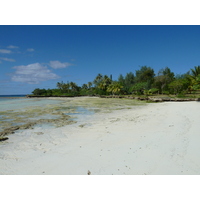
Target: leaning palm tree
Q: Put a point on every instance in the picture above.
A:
(195, 72)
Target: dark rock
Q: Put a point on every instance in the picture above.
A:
(3, 139)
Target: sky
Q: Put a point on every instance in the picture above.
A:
(40, 56)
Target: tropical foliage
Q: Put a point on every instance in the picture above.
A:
(143, 82)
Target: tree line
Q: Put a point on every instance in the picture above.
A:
(143, 82)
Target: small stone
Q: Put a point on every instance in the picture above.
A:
(89, 172)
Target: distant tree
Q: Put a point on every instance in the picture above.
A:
(85, 86)
(89, 85)
(98, 79)
(73, 86)
(66, 88)
(167, 72)
(49, 92)
(115, 87)
(165, 76)
(39, 92)
(121, 79)
(193, 77)
(59, 85)
(127, 82)
(139, 88)
(195, 72)
(105, 82)
(145, 74)
(178, 85)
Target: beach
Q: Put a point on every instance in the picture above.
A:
(145, 139)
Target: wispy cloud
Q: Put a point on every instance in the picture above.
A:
(7, 59)
(5, 51)
(30, 49)
(32, 74)
(57, 64)
(12, 47)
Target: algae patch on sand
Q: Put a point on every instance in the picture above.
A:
(59, 114)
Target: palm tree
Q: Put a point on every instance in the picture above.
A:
(115, 88)
(105, 82)
(194, 78)
(73, 86)
(98, 79)
(195, 72)
(85, 86)
(59, 85)
(65, 87)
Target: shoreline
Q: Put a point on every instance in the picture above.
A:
(161, 138)
(148, 98)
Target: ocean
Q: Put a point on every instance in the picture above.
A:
(15, 95)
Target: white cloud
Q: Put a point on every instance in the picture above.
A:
(5, 51)
(8, 59)
(57, 64)
(32, 74)
(12, 47)
(30, 50)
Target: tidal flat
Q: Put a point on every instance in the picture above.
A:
(23, 114)
(104, 137)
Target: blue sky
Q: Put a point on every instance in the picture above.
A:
(40, 56)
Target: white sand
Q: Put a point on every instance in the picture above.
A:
(161, 138)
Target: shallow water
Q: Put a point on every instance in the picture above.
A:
(55, 112)
(21, 103)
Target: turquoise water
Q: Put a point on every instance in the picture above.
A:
(19, 111)
(25, 111)
(21, 103)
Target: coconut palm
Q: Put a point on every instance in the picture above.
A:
(59, 85)
(195, 72)
(194, 78)
(105, 82)
(65, 87)
(115, 88)
(73, 86)
(98, 79)
(85, 86)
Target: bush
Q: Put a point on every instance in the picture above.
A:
(166, 92)
(181, 94)
(153, 90)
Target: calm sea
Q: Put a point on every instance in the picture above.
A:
(10, 96)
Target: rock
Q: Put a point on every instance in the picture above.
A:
(39, 133)
(89, 172)
(3, 139)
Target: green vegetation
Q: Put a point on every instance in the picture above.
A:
(143, 82)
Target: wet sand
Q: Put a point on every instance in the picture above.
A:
(158, 138)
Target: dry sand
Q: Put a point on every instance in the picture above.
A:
(156, 139)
